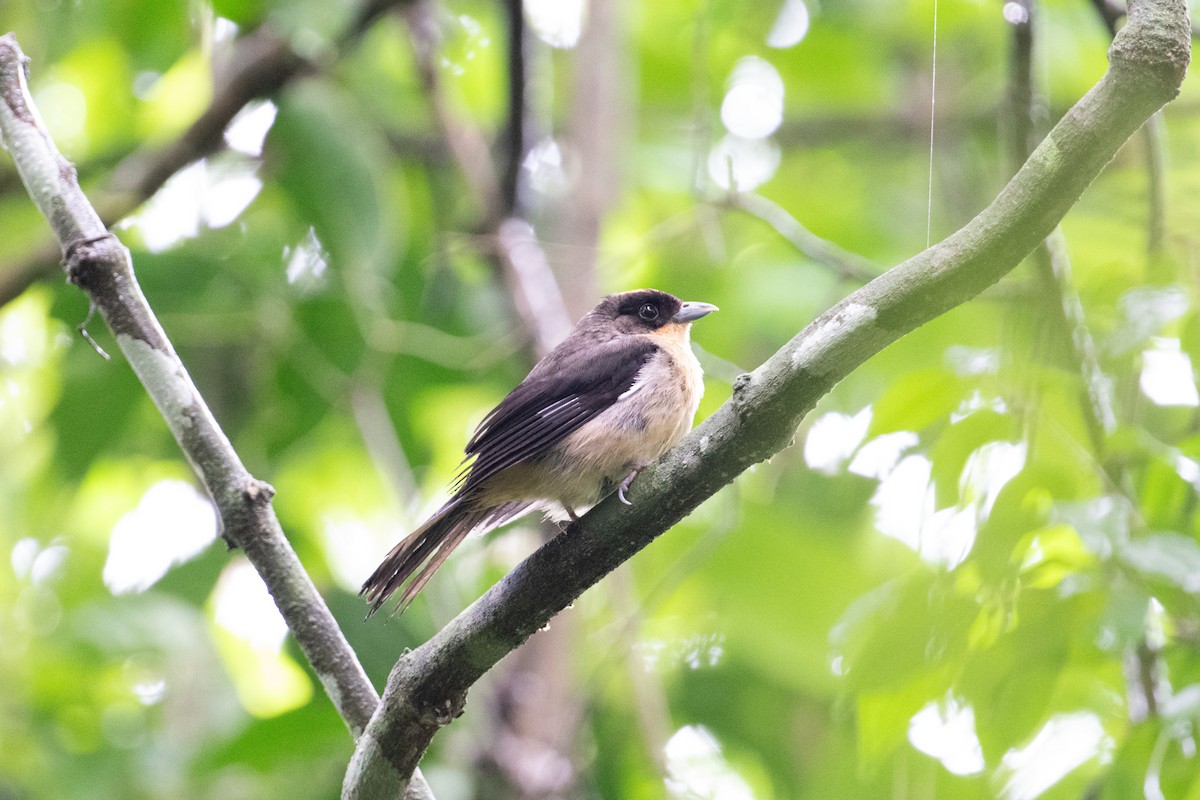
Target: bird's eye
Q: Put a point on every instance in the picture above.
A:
(648, 312)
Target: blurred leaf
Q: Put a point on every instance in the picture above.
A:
(1024, 504)
(177, 97)
(902, 630)
(325, 166)
(1050, 555)
(99, 71)
(915, 401)
(1010, 682)
(268, 684)
(883, 718)
(1165, 557)
(956, 444)
(243, 12)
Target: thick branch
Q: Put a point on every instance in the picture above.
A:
(427, 688)
(98, 263)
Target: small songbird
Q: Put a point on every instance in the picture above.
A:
(616, 394)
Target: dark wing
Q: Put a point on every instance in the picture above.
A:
(544, 410)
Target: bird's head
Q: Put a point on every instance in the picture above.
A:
(649, 310)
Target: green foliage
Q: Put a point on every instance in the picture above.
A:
(962, 592)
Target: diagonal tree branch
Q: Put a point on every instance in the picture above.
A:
(98, 263)
(427, 688)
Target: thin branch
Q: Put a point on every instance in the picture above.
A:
(1143, 663)
(382, 442)
(427, 688)
(1111, 13)
(465, 141)
(517, 133)
(848, 266)
(1050, 257)
(40, 263)
(262, 63)
(1022, 98)
(531, 741)
(1143, 669)
(518, 256)
(1154, 134)
(1054, 266)
(98, 264)
(596, 134)
(650, 697)
(531, 284)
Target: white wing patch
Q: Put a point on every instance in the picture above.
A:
(558, 405)
(638, 385)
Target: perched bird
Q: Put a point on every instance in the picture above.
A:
(616, 394)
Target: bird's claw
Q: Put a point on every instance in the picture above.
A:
(625, 485)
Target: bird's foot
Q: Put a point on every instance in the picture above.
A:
(625, 484)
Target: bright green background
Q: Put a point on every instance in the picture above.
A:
(777, 618)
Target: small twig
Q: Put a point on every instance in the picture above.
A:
(651, 707)
(1112, 12)
(40, 263)
(848, 266)
(1143, 668)
(596, 133)
(1050, 258)
(1021, 95)
(1154, 133)
(87, 337)
(1054, 265)
(262, 63)
(382, 443)
(438, 347)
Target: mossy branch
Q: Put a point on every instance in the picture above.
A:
(427, 687)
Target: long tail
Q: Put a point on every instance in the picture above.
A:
(411, 563)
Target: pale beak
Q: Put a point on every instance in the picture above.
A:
(690, 312)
